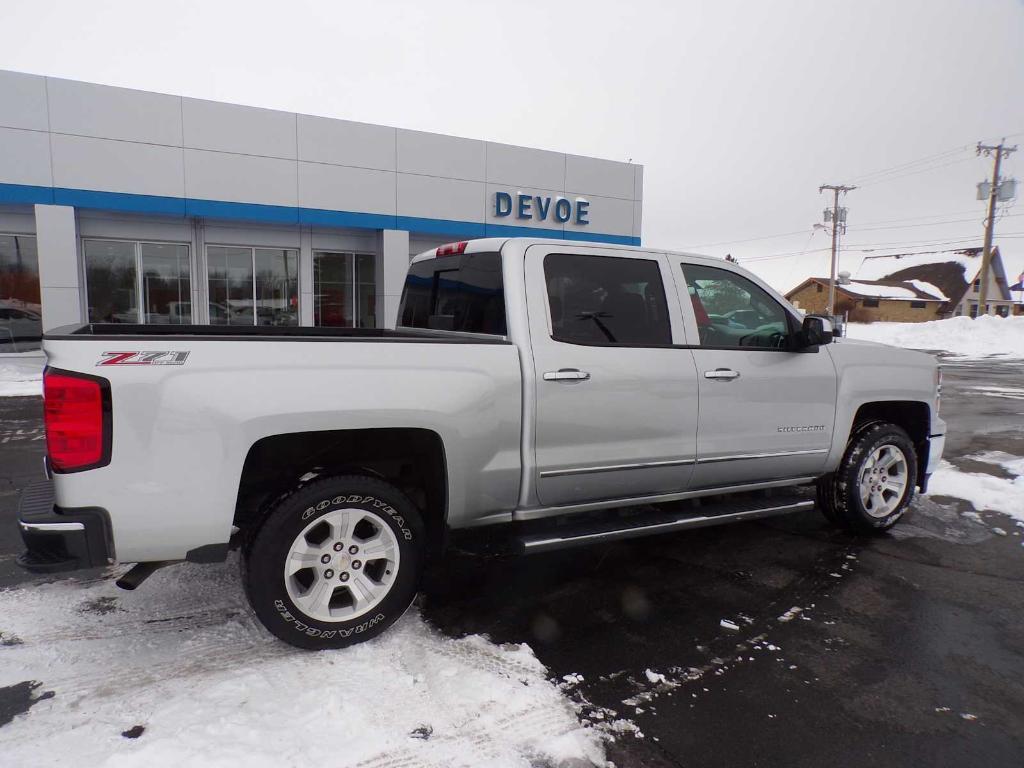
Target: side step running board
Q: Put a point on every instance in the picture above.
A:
(593, 534)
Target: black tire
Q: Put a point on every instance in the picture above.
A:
(263, 561)
(839, 497)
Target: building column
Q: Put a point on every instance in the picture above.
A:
(306, 296)
(60, 286)
(392, 265)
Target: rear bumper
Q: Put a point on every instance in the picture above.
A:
(59, 539)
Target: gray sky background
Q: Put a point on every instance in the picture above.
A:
(737, 110)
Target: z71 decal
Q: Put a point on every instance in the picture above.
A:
(143, 358)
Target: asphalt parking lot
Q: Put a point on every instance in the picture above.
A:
(898, 650)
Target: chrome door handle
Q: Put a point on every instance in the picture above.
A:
(722, 374)
(566, 374)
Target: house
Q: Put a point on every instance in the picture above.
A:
(864, 301)
(913, 287)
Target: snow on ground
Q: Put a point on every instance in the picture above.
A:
(183, 658)
(964, 337)
(984, 491)
(21, 375)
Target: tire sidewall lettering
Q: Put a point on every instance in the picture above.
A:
(377, 505)
(326, 634)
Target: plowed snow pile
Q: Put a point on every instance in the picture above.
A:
(182, 658)
(986, 336)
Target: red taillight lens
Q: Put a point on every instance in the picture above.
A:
(75, 411)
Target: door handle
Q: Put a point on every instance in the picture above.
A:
(722, 374)
(566, 374)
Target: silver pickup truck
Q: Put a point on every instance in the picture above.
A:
(540, 393)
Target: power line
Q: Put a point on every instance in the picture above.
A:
(896, 177)
(910, 163)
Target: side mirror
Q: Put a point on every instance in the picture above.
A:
(816, 330)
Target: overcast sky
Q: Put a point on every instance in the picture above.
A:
(737, 110)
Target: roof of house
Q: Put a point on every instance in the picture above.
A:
(948, 274)
(880, 289)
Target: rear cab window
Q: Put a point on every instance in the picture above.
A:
(462, 292)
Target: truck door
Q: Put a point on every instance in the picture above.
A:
(766, 413)
(616, 402)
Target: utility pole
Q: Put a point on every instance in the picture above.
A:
(999, 152)
(837, 216)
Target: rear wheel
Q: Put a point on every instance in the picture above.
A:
(335, 563)
(874, 483)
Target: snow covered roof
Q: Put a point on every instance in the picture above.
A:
(880, 267)
(890, 289)
(945, 274)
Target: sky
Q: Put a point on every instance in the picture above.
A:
(738, 111)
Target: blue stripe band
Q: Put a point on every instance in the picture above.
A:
(24, 194)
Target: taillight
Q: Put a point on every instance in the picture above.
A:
(76, 410)
(452, 249)
(938, 388)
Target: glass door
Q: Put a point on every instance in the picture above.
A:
(345, 290)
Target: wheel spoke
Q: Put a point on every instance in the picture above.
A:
(886, 459)
(376, 547)
(317, 600)
(300, 558)
(363, 589)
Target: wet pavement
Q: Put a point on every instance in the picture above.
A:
(778, 642)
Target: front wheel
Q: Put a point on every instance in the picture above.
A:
(334, 563)
(874, 483)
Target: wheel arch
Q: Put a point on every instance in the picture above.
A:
(412, 459)
(913, 416)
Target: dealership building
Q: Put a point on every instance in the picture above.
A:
(128, 206)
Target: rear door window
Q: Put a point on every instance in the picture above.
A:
(462, 292)
(606, 300)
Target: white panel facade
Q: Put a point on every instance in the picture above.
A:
(614, 214)
(209, 163)
(116, 166)
(434, 198)
(510, 165)
(341, 188)
(23, 101)
(25, 157)
(233, 128)
(433, 154)
(242, 178)
(342, 142)
(591, 176)
(102, 111)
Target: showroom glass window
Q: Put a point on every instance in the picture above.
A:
(253, 286)
(732, 311)
(345, 290)
(605, 300)
(137, 282)
(21, 326)
(461, 292)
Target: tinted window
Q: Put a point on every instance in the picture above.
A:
(462, 292)
(599, 300)
(733, 312)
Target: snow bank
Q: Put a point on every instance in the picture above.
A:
(21, 375)
(963, 337)
(183, 658)
(985, 492)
